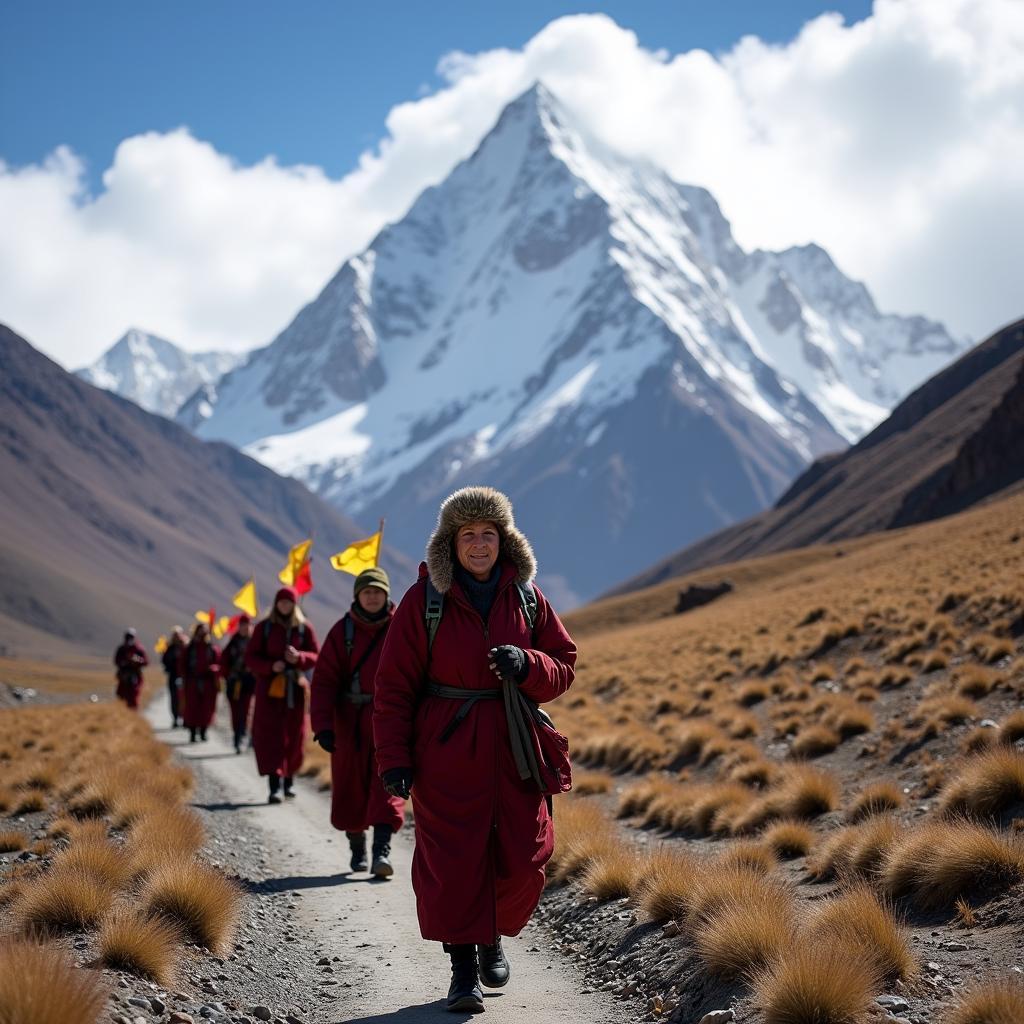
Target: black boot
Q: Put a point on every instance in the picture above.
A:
(191, 735)
(357, 844)
(239, 736)
(288, 791)
(465, 994)
(202, 734)
(275, 784)
(382, 852)
(494, 965)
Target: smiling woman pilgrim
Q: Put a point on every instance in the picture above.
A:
(483, 831)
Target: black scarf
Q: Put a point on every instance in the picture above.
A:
(480, 595)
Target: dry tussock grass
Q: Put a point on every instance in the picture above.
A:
(815, 983)
(994, 1001)
(1012, 728)
(939, 862)
(876, 799)
(583, 834)
(202, 902)
(815, 740)
(147, 947)
(613, 873)
(591, 783)
(11, 840)
(802, 793)
(61, 901)
(666, 878)
(747, 935)
(41, 985)
(987, 785)
(788, 839)
(867, 927)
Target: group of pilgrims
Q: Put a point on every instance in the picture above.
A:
(435, 700)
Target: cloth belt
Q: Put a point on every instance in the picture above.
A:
(518, 715)
(357, 698)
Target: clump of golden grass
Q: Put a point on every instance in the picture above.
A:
(11, 840)
(591, 783)
(666, 878)
(146, 946)
(101, 860)
(716, 884)
(987, 784)
(876, 799)
(867, 927)
(1012, 728)
(788, 839)
(990, 648)
(60, 901)
(636, 799)
(747, 935)
(748, 855)
(815, 740)
(583, 834)
(41, 985)
(948, 710)
(976, 681)
(815, 983)
(28, 802)
(995, 1001)
(613, 873)
(202, 902)
(802, 793)
(939, 862)
(855, 851)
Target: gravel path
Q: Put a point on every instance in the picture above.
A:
(354, 953)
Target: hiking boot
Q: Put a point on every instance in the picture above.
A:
(191, 735)
(382, 867)
(494, 965)
(288, 791)
(202, 735)
(275, 785)
(357, 844)
(464, 993)
(274, 798)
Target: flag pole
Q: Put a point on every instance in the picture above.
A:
(380, 541)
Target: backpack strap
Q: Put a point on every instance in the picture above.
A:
(528, 599)
(432, 612)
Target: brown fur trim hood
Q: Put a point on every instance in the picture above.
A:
(476, 505)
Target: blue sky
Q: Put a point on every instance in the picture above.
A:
(309, 81)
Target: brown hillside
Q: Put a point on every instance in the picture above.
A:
(952, 443)
(110, 515)
(834, 750)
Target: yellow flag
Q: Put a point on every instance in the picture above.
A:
(161, 644)
(203, 616)
(246, 600)
(221, 627)
(297, 558)
(359, 556)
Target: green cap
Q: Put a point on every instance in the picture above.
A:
(375, 577)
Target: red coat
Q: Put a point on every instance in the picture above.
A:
(483, 835)
(129, 659)
(279, 723)
(358, 799)
(199, 668)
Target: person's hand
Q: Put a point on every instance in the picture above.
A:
(278, 666)
(291, 655)
(397, 782)
(509, 662)
(326, 740)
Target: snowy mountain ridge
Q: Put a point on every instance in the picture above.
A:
(554, 317)
(154, 373)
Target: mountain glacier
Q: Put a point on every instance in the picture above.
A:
(584, 332)
(154, 373)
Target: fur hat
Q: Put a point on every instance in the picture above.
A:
(476, 505)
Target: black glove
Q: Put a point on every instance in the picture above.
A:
(510, 662)
(326, 740)
(397, 782)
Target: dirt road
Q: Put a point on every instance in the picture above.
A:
(385, 971)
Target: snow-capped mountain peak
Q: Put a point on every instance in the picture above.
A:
(567, 322)
(154, 373)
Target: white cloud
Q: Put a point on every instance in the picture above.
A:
(897, 142)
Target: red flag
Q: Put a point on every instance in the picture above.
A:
(303, 580)
(233, 623)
